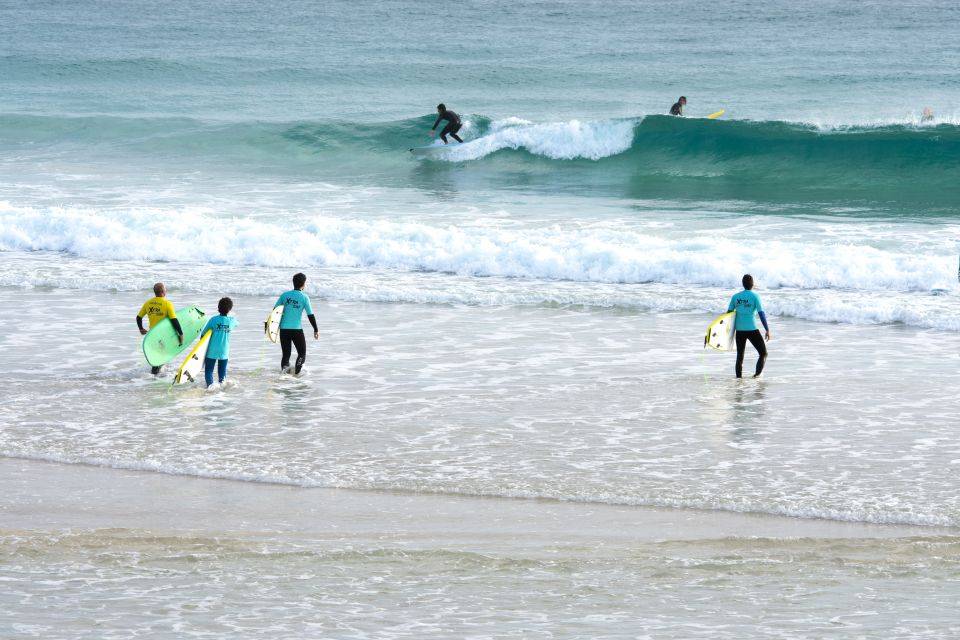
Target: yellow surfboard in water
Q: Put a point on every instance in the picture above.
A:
(716, 114)
(720, 333)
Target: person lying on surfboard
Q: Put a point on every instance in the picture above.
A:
(677, 108)
(218, 348)
(453, 124)
(156, 309)
(295, 302)
(747, 304)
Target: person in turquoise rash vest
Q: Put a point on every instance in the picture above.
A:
(747, 305)
(218, 348)
(295, 303)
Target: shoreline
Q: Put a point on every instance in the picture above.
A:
(104, 497)
(91, 552)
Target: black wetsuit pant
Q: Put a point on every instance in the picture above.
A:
(451, 130)
(756, 339)
(295, 337)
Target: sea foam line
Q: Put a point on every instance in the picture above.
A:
(609, 254)
(189, 281)
(707, 503)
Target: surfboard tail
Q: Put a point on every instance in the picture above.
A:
(192, 365)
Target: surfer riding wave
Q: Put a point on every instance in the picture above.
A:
(453, 124)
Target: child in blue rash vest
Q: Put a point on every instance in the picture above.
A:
(747, 304)
(295, 303)
(218, 349)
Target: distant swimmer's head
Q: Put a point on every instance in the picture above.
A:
(441, 107)
(683, 100)
(224, 306)
(159, 289)
(748, 282)
(299, 280)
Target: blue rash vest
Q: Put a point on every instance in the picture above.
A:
(295, 303)
(219, 346)
(747, 305)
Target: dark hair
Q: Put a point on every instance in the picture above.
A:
(224, 306)
(682, 98)
(299, 280)
(441, 107)
(748, 281)
(158, 289)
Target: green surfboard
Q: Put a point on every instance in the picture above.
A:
(160, 345)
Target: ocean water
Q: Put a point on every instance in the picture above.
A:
(520, 316)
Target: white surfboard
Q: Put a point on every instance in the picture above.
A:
(272, 328)
(192, 368)
(721, 333)
(432, 149)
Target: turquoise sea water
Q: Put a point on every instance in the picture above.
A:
(248, 121)
(823, 100)
(821, 61)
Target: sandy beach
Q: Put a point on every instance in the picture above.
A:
(115, 553)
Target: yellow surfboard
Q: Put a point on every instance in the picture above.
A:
(192, 368)
(716, 114)
(721, 333)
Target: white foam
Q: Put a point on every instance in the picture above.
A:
(485, 262)
(599, 253)
(557, 140)
(912, 119)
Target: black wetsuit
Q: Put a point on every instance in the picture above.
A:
(453, 125)
(295, 338)
(676, 109)
(756, 339)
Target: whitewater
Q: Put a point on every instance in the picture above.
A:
(856, 273)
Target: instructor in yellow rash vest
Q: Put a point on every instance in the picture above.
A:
(156, 309)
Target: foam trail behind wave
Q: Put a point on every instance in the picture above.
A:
(557, 141)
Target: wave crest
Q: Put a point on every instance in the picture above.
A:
(649, 157)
